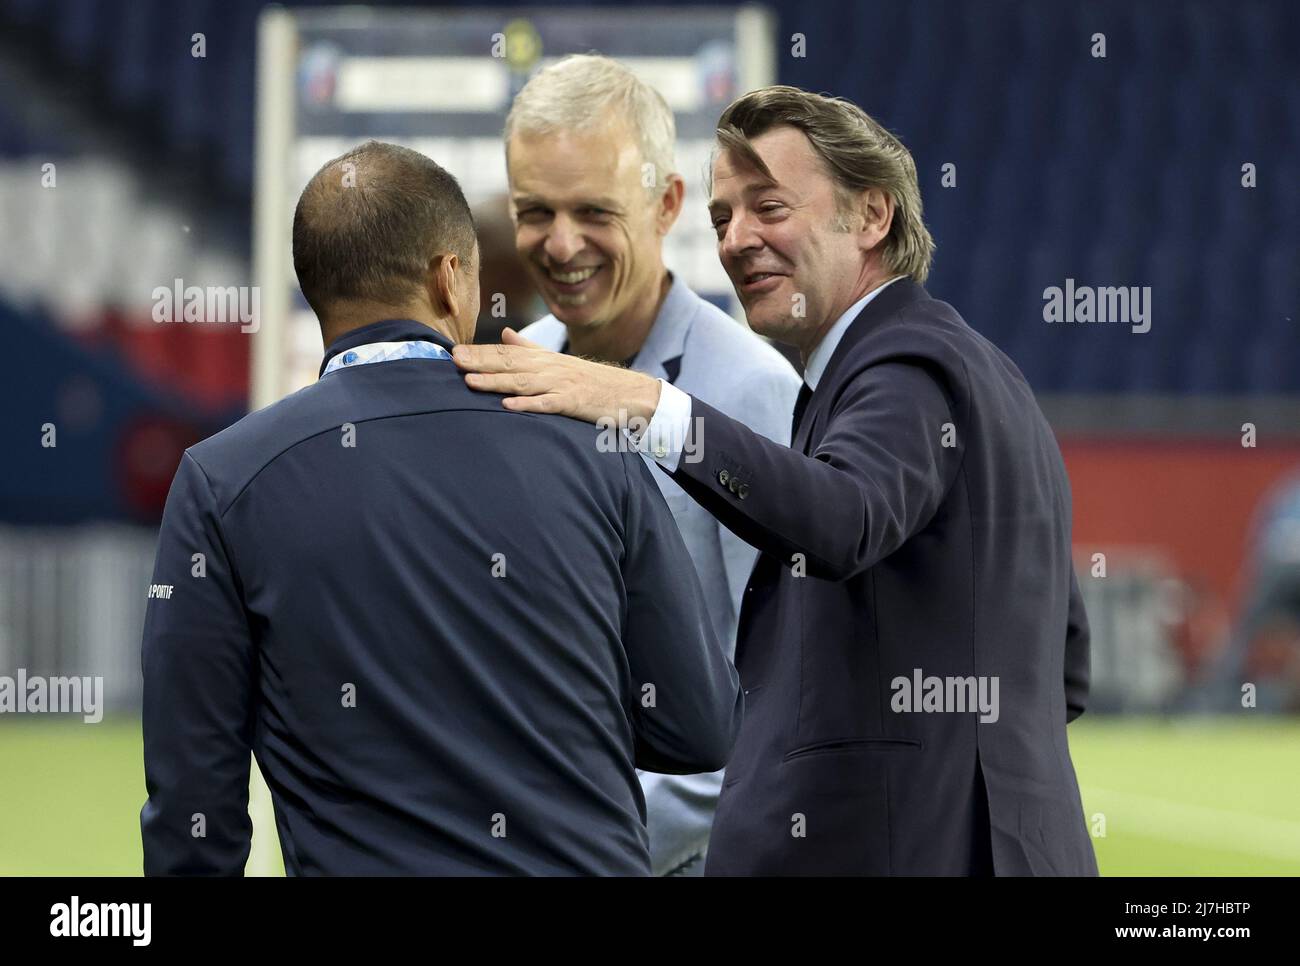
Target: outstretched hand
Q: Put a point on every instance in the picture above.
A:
(536, 380)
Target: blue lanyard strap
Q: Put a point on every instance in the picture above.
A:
(363, 355)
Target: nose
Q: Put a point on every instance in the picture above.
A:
(740, 236)
(563, 240)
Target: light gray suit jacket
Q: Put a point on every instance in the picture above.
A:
(703, 351)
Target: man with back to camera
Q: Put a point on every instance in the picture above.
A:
(917, 529)
(429, 687)
(593, 192)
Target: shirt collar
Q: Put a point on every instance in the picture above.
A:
(821, 354)
(661, 353)
(666, 341)
(387, 330)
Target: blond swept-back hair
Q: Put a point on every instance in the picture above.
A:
(859, 154)
(583, 90)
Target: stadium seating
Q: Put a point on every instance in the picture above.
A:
(1116, 170)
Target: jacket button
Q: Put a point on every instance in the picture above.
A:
(723, 476)
(743, 491)
(734, 485)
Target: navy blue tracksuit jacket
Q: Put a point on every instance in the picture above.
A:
(448, 632)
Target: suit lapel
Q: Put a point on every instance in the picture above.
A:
(875, 313)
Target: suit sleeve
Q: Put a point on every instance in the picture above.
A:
(199, 684)
(765, 406)
(890, 453)
(1078, 639)
(686, 700)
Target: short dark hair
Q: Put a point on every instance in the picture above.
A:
(369, 222)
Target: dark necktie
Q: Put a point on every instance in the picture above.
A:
(800, 404)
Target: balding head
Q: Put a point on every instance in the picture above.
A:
(384, 231)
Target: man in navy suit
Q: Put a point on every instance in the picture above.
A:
(450, 634)
(912, 642)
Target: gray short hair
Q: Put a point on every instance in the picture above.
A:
(582, 90)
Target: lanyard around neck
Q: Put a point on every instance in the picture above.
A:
(364, 355)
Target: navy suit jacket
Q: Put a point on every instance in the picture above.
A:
(449, 633)
(919, 522)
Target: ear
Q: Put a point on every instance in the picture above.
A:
(875, 211)
(444, 285)
(669, 205)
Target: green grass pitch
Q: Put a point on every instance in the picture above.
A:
(1205, 796)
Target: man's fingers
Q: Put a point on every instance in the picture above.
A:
(507, 383)
(510, 337)
(545, 403)
(490, 358)
(505, 357)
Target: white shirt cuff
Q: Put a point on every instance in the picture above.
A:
(665, 437)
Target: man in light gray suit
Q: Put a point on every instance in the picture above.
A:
(593, 192)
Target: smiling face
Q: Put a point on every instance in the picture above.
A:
(589, 232)
(796, 264)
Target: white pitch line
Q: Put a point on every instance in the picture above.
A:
(1244, 832)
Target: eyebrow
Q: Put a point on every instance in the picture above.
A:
(765, 184)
